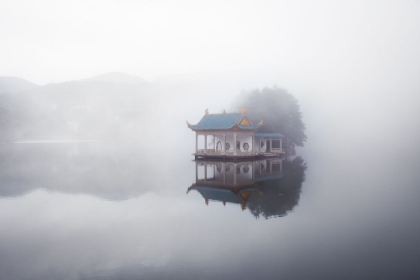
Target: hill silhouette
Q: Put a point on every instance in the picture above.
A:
(88, 108)
(15, 84)
(117, 77)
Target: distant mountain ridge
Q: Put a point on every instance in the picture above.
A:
(100, 107)
(117, 78)
(15, 84)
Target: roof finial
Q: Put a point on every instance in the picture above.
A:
(206, 111)
(243, 110)
(261, 122)
(188, 124)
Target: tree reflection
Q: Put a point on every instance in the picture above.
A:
(268, 188)
(279, 196)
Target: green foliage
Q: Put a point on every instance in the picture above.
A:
(278, 109)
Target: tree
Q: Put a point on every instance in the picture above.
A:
(279, 111)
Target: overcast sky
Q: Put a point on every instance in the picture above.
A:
(53, 41)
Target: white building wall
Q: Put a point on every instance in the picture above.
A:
(210, 142)
(240, 136)
(244, 138)
(264, 148)
(219, 138)
(200, 142)
(229, 139)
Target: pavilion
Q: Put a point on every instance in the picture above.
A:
(232, 136)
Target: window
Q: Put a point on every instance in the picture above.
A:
(246, 146)
(276, 144)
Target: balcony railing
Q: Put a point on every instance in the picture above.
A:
(230, 152)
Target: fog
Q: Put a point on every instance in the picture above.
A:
(356, 54)
(96, 156)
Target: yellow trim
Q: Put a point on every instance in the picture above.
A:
(245, 122)
(245, 195)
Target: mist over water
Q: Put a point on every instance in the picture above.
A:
(97, 178)
(118, 208)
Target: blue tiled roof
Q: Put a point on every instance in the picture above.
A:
(250, 127)
(268, 135)
(269, 177)
(220, 194)
(217, 121)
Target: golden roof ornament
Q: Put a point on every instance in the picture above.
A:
(206, 111)
(243, 110)
(261, 122)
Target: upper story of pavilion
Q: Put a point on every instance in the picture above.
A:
(232, 135)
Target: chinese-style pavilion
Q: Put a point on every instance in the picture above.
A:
(232, 136)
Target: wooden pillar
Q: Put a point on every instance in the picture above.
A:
(196, 171)
(281, 145)
(205, 171)
(224, 143)
(252, 143)
(271, 144)
(224, 172)
(214, 143)
(196, 142)
(234, 143)
(205, 143)
(234, 173)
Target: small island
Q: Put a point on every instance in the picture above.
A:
(271, 126)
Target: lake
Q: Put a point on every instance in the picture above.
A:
(107, 210)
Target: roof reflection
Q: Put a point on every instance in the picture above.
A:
(268, 188)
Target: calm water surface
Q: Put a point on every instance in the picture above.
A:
(107, 211)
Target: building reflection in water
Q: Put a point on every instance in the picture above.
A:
(268, 188)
